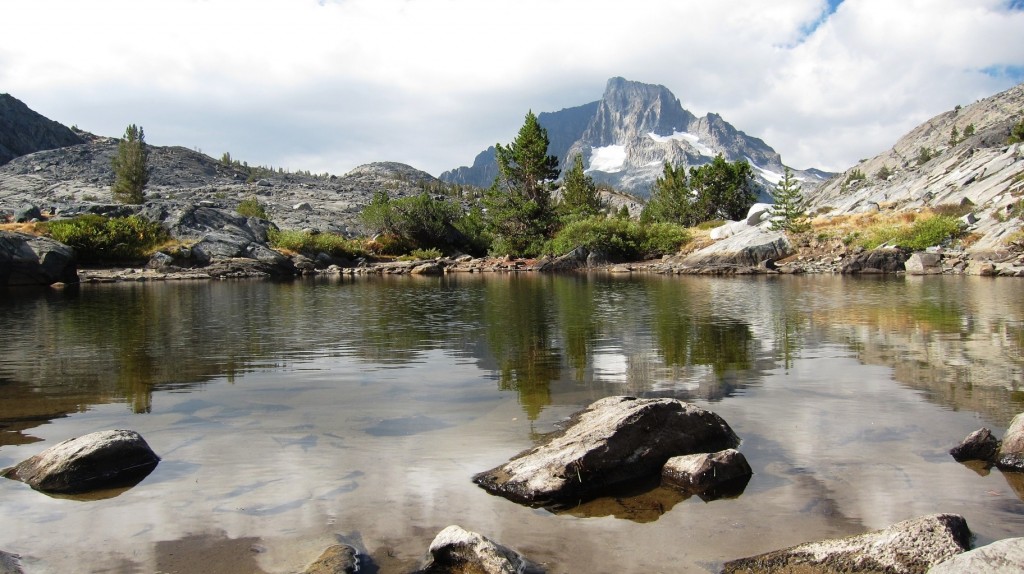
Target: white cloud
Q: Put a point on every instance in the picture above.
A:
(432, 82)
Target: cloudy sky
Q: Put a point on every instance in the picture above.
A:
(331, 84)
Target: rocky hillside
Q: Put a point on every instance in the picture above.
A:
(77, 179)
(926, 168)
(626, 137)
(23, 131)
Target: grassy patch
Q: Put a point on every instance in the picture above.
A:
(314, 243)
(251, 207)
(916, 236)
(620, 239)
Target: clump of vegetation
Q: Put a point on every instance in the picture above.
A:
(98, 239)
(423, 222)
(620, 239)
(1016, 133)
(856, 175)
(251, 207)
(954, 209)
(925, 155)
(422, 254)
(883, 173)
(917, 236)
(313, 243)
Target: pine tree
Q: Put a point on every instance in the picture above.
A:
(520, 214)
(131, 170)
(579, 193)
(671, 197)
(790, 211)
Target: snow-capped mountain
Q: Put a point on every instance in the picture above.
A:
(626, 137)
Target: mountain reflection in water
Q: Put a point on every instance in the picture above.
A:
(288, 413)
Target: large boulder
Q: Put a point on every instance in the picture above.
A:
(908, 547)
(104, 459)
(613, 441)
(459, 551)
(1011, 451)
(337, 559)
(29, 260)
(979, 445)
(751, 247)
(1001, 557)
(924, 263)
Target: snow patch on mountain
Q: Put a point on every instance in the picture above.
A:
(608, 159)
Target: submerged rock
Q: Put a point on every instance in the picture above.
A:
(908, 547)
(459, 551)
(979, 445)
(104, 459)
(613, 441)
(1011, 451)
(1000, 557)
(697, 473)
(10, 563)
(337, 559)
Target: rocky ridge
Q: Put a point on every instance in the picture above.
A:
(23, 131)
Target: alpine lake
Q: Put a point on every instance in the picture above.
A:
(293, 416)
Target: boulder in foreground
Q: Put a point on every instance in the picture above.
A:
(613, 441)
(908, 547)
(100, 460)
(1000, 557)
(459, 551)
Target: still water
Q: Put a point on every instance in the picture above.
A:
(291, 416)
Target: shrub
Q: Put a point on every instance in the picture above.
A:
(883, 173)
(313, 243)
(856, 175)
(98, 239)
(925, 155)
(251, 207)
(620, 239)
(422, 254)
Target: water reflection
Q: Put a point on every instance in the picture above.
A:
(288, 412)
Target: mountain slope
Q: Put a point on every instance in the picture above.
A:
(23, 131)
(626, 137)
(980, 169)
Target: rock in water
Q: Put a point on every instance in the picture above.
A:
(979, 445)
(459, 551)
(1011, 452)
(614, 440)
(700, 472)
(908, 547)
(104, 459)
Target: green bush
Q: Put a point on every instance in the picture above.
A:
(99, 239)
(921, 235)
(620, 239)
(251, 207)
(422, 254)
(313, 243)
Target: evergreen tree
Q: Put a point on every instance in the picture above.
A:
(520, 214)
(671, 197)
(131, 170)
(579, 193)
(954, 136)
(790, 211)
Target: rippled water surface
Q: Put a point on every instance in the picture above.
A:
(292, 416)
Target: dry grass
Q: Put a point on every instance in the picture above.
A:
(30, 228)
